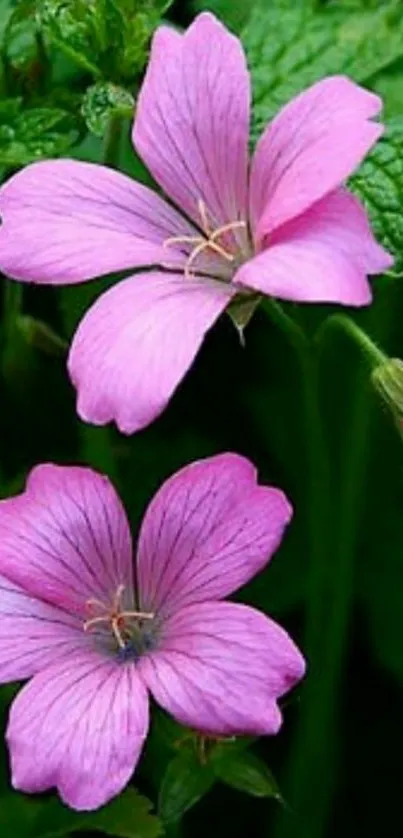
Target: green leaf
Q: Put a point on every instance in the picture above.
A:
(127, 816)
(108, 38)
(103, 101)
(234, 13)
(246, 772)
(186, 781)
(34, 133)
(72, 25)
(379, 184)
(291, 45)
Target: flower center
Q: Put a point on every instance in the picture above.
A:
(123, 630)
(214, 240)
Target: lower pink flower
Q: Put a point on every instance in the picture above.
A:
(96, 639)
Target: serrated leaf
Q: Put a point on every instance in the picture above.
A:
(34, 133)
(245, 772)
(291, 45)
(103, 101)
(186, 781)
(72, 26)
(127, 816)
(379, 184)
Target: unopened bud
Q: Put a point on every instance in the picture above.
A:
(387, 379)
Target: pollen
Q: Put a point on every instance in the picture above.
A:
(115, 617)
(209, 241)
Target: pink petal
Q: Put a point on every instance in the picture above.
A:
(136, 343)
(208, 530)
(191, 125)
(80, 726)
(322, 256)
(33, 634)
(66, 539)
(64, 221)
(221, 667)
(309, 149)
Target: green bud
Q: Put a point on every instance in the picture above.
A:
(387, 379)
(102, 102)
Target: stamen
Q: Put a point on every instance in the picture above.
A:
(96, 603)
(114, 618)
(199, 249)
(201, 206)
(117, 633)
(118, 596)
(181, 240)
(138, 615)
(209, 242)
(94, 621)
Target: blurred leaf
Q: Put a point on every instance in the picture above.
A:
(291, 45)
(246, 772)
(18, 814)
(127, 816)
(186, 781)
(103, 101)
(389, 85)
(6, 10)
(379, 183)
(234, 13)
(108, 38)
(31, 134)
(19, 40)
(75, 28)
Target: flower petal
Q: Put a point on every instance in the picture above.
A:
(192, 119)
(33, 634)
(127, 356)
(322, 256)
(309, 149)
(80, 726)
(64, 221)
(221, 667)
(66, 539)
(208, 530)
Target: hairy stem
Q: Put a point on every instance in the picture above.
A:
(369, 349)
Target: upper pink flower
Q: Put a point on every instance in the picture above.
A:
(288, 228)
(96, 635)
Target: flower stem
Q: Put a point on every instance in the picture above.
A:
(332, 521)
(12, 299)
(112, 141)
(327, 609)
(370, 350)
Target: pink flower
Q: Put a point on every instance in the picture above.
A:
(287, 229)
(98, 635)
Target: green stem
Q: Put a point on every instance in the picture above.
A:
(370, 350)
(13, 292)
(332, 541)
(327, 612)
(112, 142)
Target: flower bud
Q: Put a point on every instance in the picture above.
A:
(387, 379)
